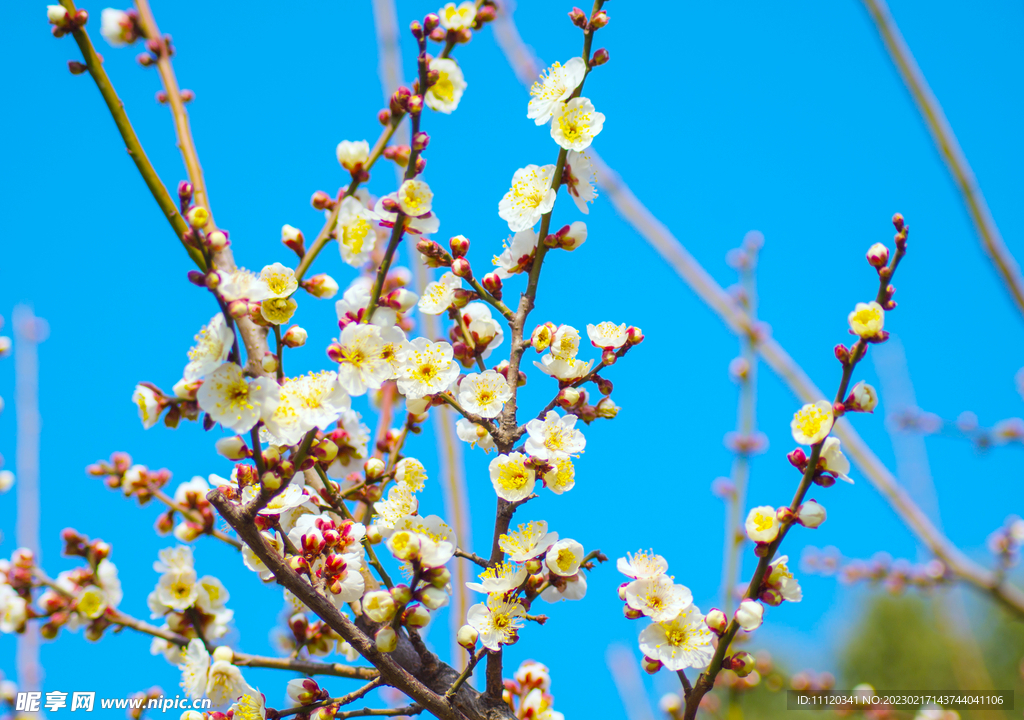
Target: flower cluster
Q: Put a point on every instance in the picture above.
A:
(677, 637)
(528, 693)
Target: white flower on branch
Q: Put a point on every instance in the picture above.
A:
(213, 345)
(530, 197)
(780, 578)
(513, 480)
(426, 368)
(762, 524)
(250, 706)
(562, 477)
(220, 681)
(749, 615)
(641, 565)
(352, 153)
(237, 402)
(486, 331)
(835, 462)
(575, 124)
(362, 364)
(149, 405)
(607, 335)
(573, 587)
(484, 394)
(439, 294)
(241, 284)
(475, 435)
(658, 597)
(812, 423)
(555, 84)
(564, 557)
(679, 643)
(500, 579)
(497, 620)
(445, 94)
(578, 178)
(529, 540)
(425, 224)
(411, 472)
(457, 18)
(280, 280)
(355, 231)
(554, 437)
(316, 400)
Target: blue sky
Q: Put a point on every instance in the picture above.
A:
(723, 119)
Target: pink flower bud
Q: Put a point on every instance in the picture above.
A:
(492, 284)
(198, 217)
(415, 105)
(238, 309)
(459, 245)
(600, 57)
(578, 17)
(321, 200)
(878, 255)
(651, 665)
(461, 268)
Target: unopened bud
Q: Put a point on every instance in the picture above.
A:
(401, 299)
(270, 480)
(379, 606)
(293, 239)
(599, 20)
(716, 621)
(321, 200)
(217, 240)
(416, 616)
(416, 28)
(863, 398)
(438, 34)
(373, 468)
(238, 309)
(294, 337)
(797, 458)
(420, 141)
(399, 100)
(57, 15)
(578, 17)
(635, 335)
(461, 268)
(568, 397)
(810, 514)
(438, 577)
(386, 639)
(185, 192)
(742, 663)
(415, 105)
(651, 665)
(198, 217)
(459, 245)
(402, 594)
(233, 448)
(631, 613)
(321, 286)
(467, 637)
(77, 68)
(878, 255)
(600, 57)
(492, 284)
(269, 362)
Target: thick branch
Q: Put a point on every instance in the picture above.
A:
(426, 683)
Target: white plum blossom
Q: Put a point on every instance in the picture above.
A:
(513, 480)
(486, 331)
(252, 561)
(497, 620)
(562, 476)
(457, 18)
(530, 197)
(554, 437)
(835, 462)
(679, 643)
(352, 444)
(213, 345)
(475, 435)
(502, 578)
(575, 124)
(812, 423)
(13, 610)
(607, 335)
(564, 557)
(561, 361)
(242, 284)
(555, 84)
(355, 231)
(439, 294)
(237, 402)
(579, 177)
(426, 368)
(484, 394)
(315, 400)
(250, 706)
(658, 597)
(280, 280)
(517, 255)
(401, 502)
(117, 27)
(352, 154)
(414, 199)
(529, 540)
(749, 615)
(410, 472)
(762, 524)
(149, 405)
(780, 577)
(441, 537)
(361, 361)
(641, 565)
(573, 587)
(220, 681)
(445, 94)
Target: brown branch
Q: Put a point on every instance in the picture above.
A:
(949, 150)
(425, 682)
(163, 198)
